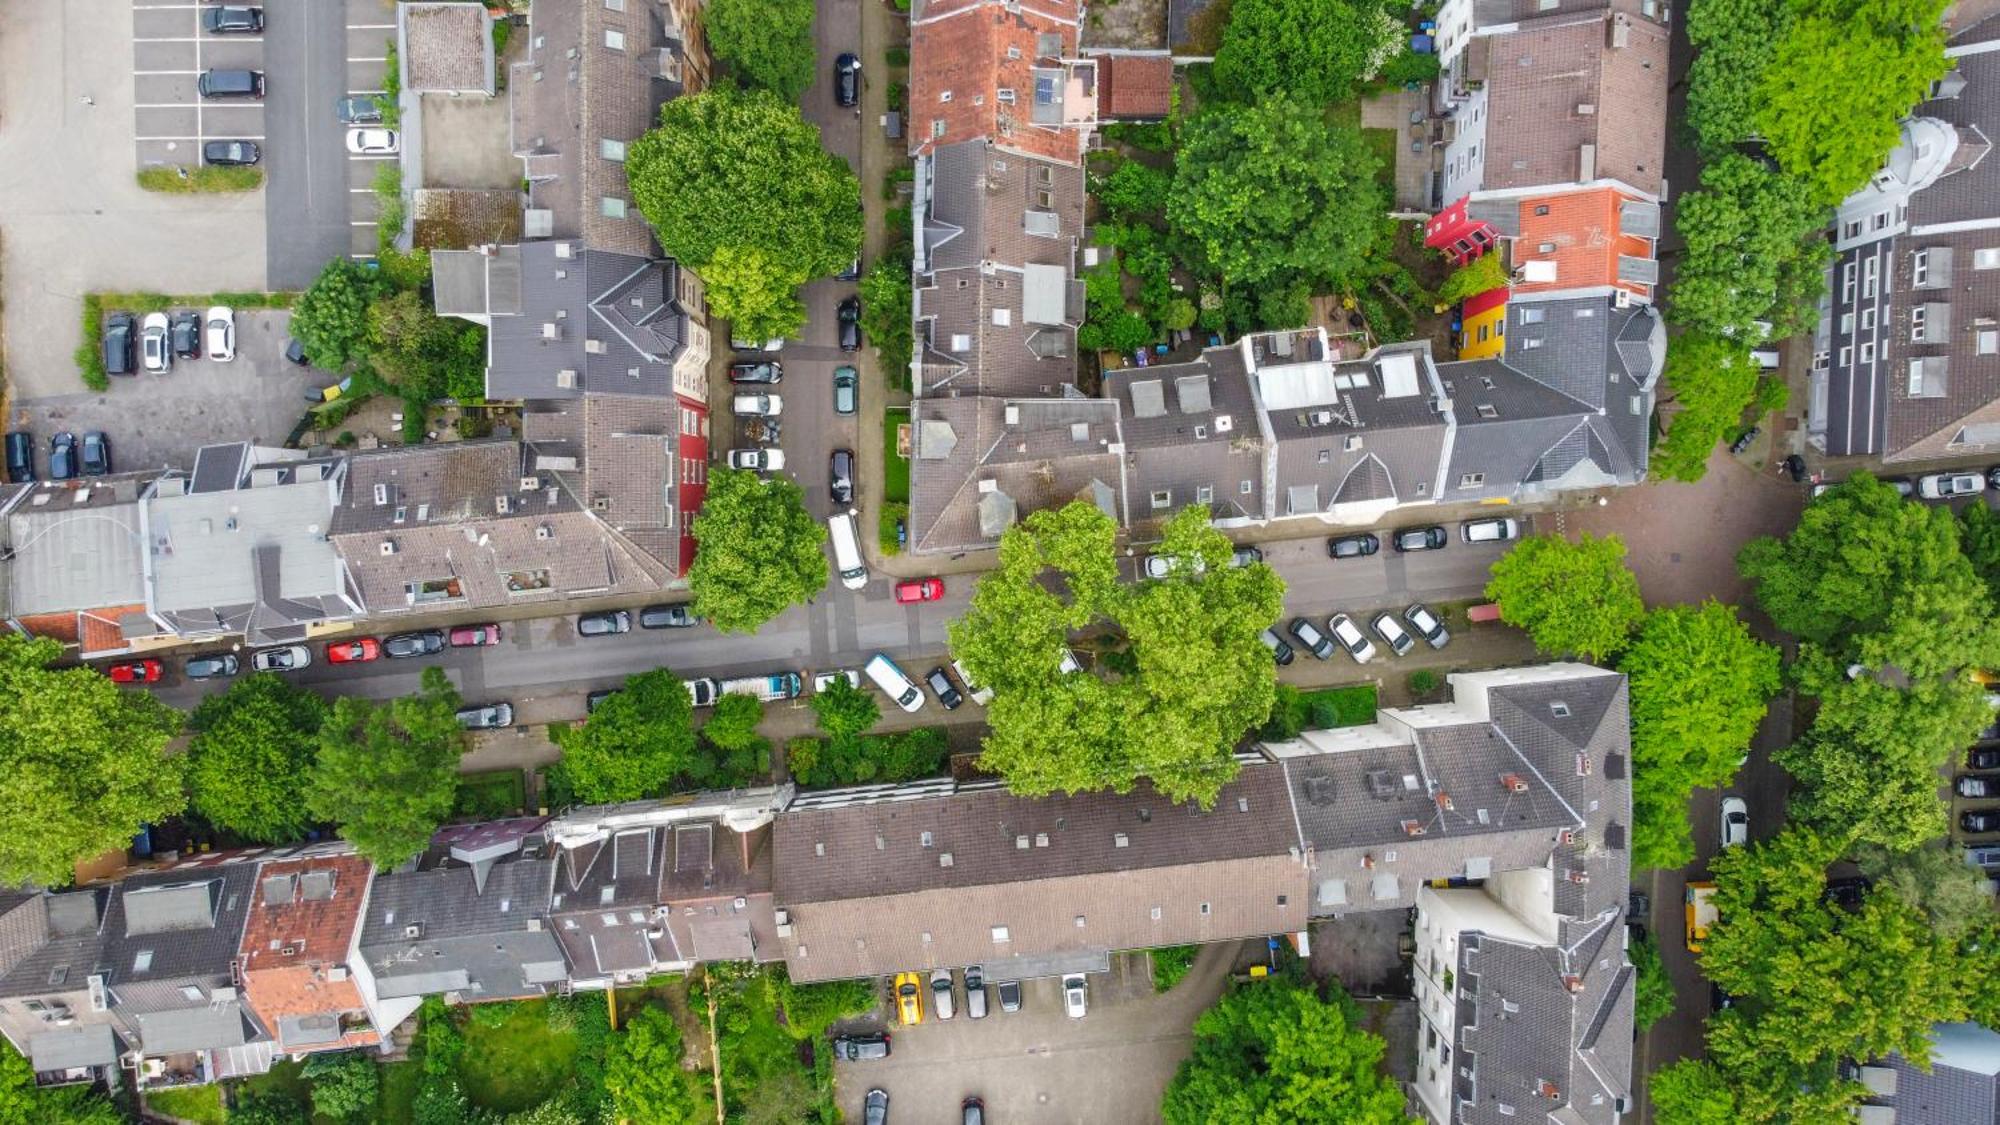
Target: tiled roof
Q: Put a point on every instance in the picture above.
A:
(479, 928)
(979, 69)
(183, 923)
(446, 47)
(1960, 1087)
(302, 922)
(1539, 80)
(1140, 87)
(1190, 427)
(1589, 239)
(979, 463)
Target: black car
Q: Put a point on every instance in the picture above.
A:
(591, 701)
(667, 617)
(1743, 443)
(972, 1111)
(1353, 546)
(1846, 892)
(875, 1107)
(233, 19)
(62, 456)
(853, 270)
(840, 477)
(1988, 821)
(769, 371)
(358, 111)
(211, 667)
(1795, 468)
(20, 457)
(859, 1048)
(1977, 786)
(1309, 635)
(942, 687)
(603, 624)
(1280, 651)
(231, 153)
(1978, 758)
(1430, 538)
(184, 331)
(1719, 999)
(96, 456)
(1244, 556)
(850, 325)
(425, 642)
(296, 352)
(120, 331)
(847, 81)
(1010, 995)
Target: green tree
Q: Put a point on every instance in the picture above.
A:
(843, 710)
(330, 319)
(1570, 597)
(1742, 228)
(885, 309)
(1979, 537)
(1315, 50)
(1711, 379)
(760, 552)
(756, 294)
(643, 1072)
(1276, 1051)
(731, 730)
(1735, 41)
(1272, 189)
(83, 763)
(1932, 878)
(1484, 273)
(423, 354)
(1133, 191)
(1654, 999)
(1200, 677)
(729, 168)
(344, 1085)
(251, 755)
(387, 773)
(1699, 683)
(635, 743)
(767, 43)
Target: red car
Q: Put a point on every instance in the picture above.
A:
(475, 636)
(919, 590)
(360, 650)
(135, 672)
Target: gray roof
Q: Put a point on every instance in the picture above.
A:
(208, 1028)
(1969, 192)
(586, 320)
(1962, 1086)
(178, 925)
(76, 545)
(66, 933)
(1038, 453)
(70, 1048)
(1331, 420)
(1190, 428)
(434, 929)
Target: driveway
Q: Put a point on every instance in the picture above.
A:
(1038, 1065)
(315, 55)
(75, 219)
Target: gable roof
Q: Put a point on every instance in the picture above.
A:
(177, 924)
(978, 462)
(1135, 87)
(1541, 75)
(1591, 239)
(991, 69)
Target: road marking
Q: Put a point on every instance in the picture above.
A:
(363, 223)
(163, 105)
(168, 39)
(359, 156)
(371, 27)
(367, 58)
(352, 190)
(164, 138)
(143, 73)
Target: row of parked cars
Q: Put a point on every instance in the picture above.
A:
(69, 458)
(161, 338)
(1427, 538)
(1342, 631)
(910, 989)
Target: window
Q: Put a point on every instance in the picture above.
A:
(1986, 258)
(142, 961)
(1000, 935)
(944, 95)
(1534, 343)
(1350, 443)
(1847, 324)
(1471, 480)
(1162, 499)
(1530, 316)
(191, 994)
(1013, 52)
(1851, 230)
(615, 5)
(614, 38)
(1204, 910)
(937, 128)
(1868, 319)
(1869, 277)
(1989, 342)
(1005, 94)
(1917, 324)
(1243, 489)
(610, 149)
(1325, 456)
(1881, 221)
(1847, 282)
(1541, 209)
(1204, 494)
(1559, 709)
(1847, 356)
(611, 207)
(1868, 352)
(1485, 331)
(1920, 266)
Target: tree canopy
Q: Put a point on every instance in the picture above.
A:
(755, 293)
(760, 552)
(1275, 1050)
(1273, 188)
(423, 354)
(766, 43)
(387, 773)
(1315, 50)
(637, 741)
(643, 1073)
(83, 763)
(1196, 677)
(251, 755)
(1749, 234)
(344, 1085)
(843, 710)
(1712, 380)
(330, 319)
(1570, 597)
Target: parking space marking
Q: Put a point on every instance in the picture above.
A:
(363, 223)
(364, 93)
(138, 72)
(367, 58)
(371, 27)
(166, 39)
(357, 156)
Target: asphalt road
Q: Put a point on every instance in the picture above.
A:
(305, 157)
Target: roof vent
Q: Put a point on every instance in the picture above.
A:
(1224, 423)
(550, 331)
(566, 379)
(1381, 784)
(1021, 843)
(1443, 801)
(1513, 783)
(544, 531)
(944, 859)
(1120, 840)
(388, 547)
(1041, 839)
(563, 250)
(595, 347)
(413, 930)
(1319, 789)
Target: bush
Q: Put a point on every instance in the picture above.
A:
(90, 353)
(389, 101)
(871, 758)
(897, 56)
(1171, 964)
(1773, 394)
(1423, 681)
(177, 180)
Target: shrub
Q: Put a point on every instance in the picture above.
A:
(90, 353)
(1171, 964)
(207, 178)
(389, 101)
(897, 56)
(1423, 681)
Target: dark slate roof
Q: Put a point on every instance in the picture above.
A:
(611, 320)
(1962, 1086)
(1969, 193)
(1011, 456)
(481, 924)
(1338, 421)
(177, 924)
(68, 936)
(1187, 427)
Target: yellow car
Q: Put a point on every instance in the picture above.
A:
(909, 999)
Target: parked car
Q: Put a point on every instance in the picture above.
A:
(1393, 634)
(1075, 995)
(757, 460)
(492, 716)
(358, 111)
(222, 335)
(1977, 787)
(119, 330)
(850, 324)
(210, 667)
(1010, 995)
(1988, 821)
(1847, 891)
(847, 81)
(861, 1048)
(840, 477)
(1735, 822)
(20, 457)
(941, 993)
(604, 624)
(1430, 538)
(972, 1111)
(134, 672)
(1160, 566)
(373, 142)
(1490, 531)
(184, 327)
(1744, 439)
(1315, 642)
(980, 693)
(360, 650)
(919, 590)
(231, 154)
(423, 642)
(909, 999)
(1983, 857)
(289, 658)
(232, 19)
(1983, 758)
(939, 681)
(757, 371)
(1352, 546)
(1944, 486)
(226, 83)
(154, 346)
(875, 1107)
(667, 617)
(852, 272)
(595, 698)
(1427, 625)
(96, 455)
(824, 680)
(62, 456)
(975, 992)
(1244, 556)
(758, 406)
(846, 391)
(1280, 651)
(473, 636)
(1349, 637)
(776, 343)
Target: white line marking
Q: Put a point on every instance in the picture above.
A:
(371, 27)
(367, 58)
(164, 105)
(364, 93)
(358, 156)
(168, 39)
(363, 223)
(351, 191)
(144, 73)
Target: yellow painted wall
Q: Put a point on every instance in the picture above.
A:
(1482, 334)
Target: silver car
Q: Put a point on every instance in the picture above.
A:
(492, 716)
(290, 658)
(154, 347)
(1427, 625)
(941, 993)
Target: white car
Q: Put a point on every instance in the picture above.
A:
(290, 658)
(1931, 486)
(941, 993)
(1735, 822)
(1427, 625)
(1159, 566)
(373, 142)
(154, 346)
(759, 406)
(1393, 634)
(1074, 996)
(825, 680)
(757, 460)
(221, 334)
(1489, 531)
(1348, 635)
(772, 345)
(980, 693)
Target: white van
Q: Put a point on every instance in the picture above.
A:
(847, 551)
(894, 683)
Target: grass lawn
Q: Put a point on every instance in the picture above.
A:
(516, 1064)
(490, 795)
(895, 469)
(201, 1104)
(1383, 143)
(205, 179)
(395, 1104)
(1349, 706)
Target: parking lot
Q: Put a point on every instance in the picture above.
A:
(369, 28)
(170, 121)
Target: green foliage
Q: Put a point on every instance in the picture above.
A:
(877, 758)
(387, 773)
(1315, 50)
(1772, 395)
(1736, 41)
(1484, 273)
(643, 1072)
(1979, 537)
(1171, 964)
(201, 180)
(1423, 681)
(269, 1108)
(390, 100)
(489, 795)
(1274, 1050)
(1746, 228)
(1711, 379)
(1934, 879)
(757, 294)
(766, 43)
(760, 551)
(344, 1085)
(1273, 189)
(1133, 191)
(742, 755)
(331, 318)
(1203, 678)
(1654, 1000)
(423, 354)
(885, 310)
(1699, 682)
(83, 763)
(250, 756)
(634, 744)
(810, 1009)
(89, 354)
(1409, 66)
(758, 1057)
(1569, 597)
(843, 710)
